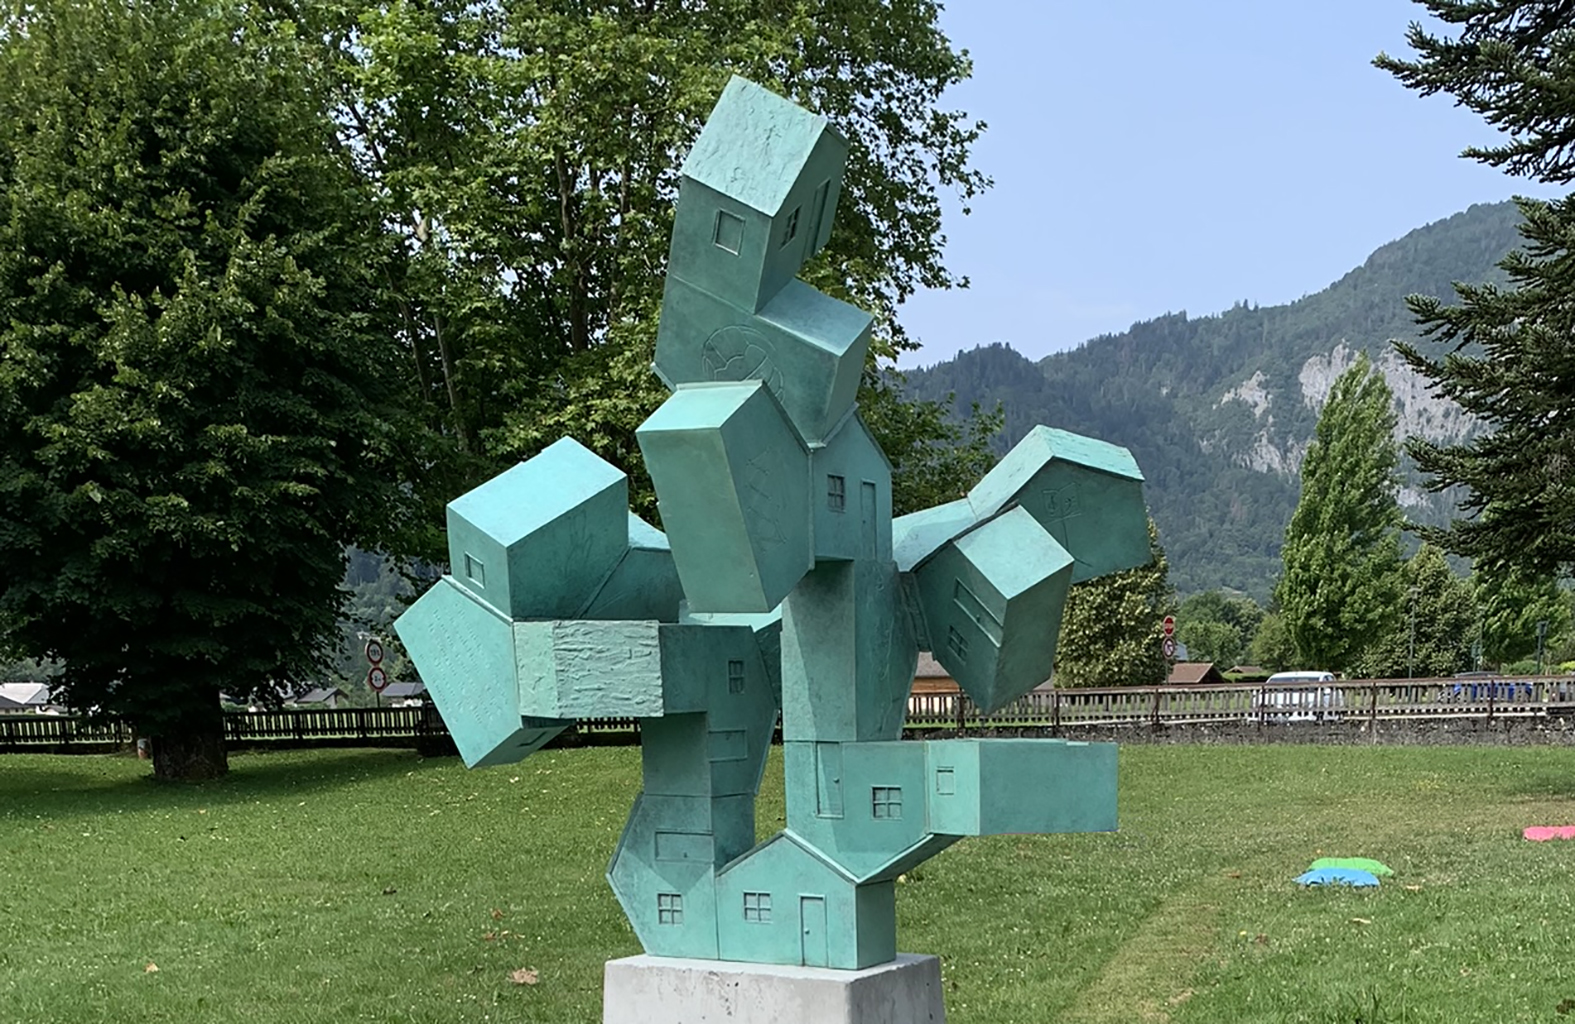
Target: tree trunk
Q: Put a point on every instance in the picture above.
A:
(191, 748)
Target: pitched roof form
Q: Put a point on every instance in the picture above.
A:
(781, 136)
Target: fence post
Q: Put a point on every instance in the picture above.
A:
(1154, 715)
(1372, 713)
(962, 723)
(1055, 712)
(1492, 691)
(1263, 705)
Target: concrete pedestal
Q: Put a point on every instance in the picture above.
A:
(668, 990)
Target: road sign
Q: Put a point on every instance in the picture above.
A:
(1170, 625)
(1169, 646)
(376, 678)
(374, 652)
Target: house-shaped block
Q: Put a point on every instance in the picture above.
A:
(645, 584)
(538, 540)
(733, 478)
(1087, 493)
(757, 195)
(1000, 787)
(785, 904)
(465, 650)
(851, 493)
(992, 602)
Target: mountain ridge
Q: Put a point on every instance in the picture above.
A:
(1218, 410)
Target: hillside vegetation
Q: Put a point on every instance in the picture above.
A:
(1218, 409)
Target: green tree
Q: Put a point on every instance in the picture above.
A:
(1506, 356)
(1216, 626)
(1112, 627)
(1437, 628)
(1272, 646)
(1340, 586)
(1511, 604)
(527, 155)
(194, 413)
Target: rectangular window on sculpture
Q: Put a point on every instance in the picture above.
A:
(757, 907)
(957, 643)
(836, 493)
(946, 781)
(729, 232)
(669, 908)
(886, 801)
(475, 571)
(790, 229)
(735, 677)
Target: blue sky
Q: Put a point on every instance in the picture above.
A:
(1151, 156)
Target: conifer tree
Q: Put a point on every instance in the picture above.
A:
(1506, 354)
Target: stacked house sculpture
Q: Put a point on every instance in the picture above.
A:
(782, 586)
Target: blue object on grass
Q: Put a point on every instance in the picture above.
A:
(1338, 876)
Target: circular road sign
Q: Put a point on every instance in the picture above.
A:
(1170, 625)
(374, 651)
(1169, 647)
(376, 678)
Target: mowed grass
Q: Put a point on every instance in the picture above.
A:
(337, 886)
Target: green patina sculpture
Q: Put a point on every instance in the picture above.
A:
(782, 586)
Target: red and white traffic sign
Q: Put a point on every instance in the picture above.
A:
(376, 678)
(374, 651)
(1168, 647)
(1170, 625)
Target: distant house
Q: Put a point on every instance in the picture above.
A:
(23, 697)
(320, 698)
(405, 695)
(1195, 673)
(931, 677)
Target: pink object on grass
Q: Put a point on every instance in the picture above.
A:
(1542, 833)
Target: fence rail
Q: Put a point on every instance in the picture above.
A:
(1352, 701)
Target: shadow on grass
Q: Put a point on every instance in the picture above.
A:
(36, 785)
(1552, 782)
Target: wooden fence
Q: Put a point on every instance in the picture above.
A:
(1349, 701)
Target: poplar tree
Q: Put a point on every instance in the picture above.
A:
(1341, 583)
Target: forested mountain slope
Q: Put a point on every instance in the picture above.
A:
(1218, 409)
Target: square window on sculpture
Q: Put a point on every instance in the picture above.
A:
(836, 493)
(729, 232)
(886, 802)
(757, 907)
(669, 908)
(735, 677)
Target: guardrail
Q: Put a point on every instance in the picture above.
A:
(1353, 701)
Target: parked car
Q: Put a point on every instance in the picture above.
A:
(1281, 700)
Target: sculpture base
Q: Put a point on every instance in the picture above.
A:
(670, 990)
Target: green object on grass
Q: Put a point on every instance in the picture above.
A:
(1366, 864)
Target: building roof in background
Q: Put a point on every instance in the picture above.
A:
(404, 690)
(929, 668)
(1195, 672)
(318, 695)
(29, 695)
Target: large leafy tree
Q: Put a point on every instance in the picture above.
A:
(1437, 628)
(1217, 626)
(1511, 604)
(1505, 353)
(527, 155)
(1341, 582)
(194, 402)
(1112, 628)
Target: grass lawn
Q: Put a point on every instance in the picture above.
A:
(335, 886)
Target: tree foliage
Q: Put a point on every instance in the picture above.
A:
(1511, 604)
(527, 155)
(1111, 630)
(193, 396)
(1341, 586)
(1436, 630)
(1504, 353)
(1217, 627)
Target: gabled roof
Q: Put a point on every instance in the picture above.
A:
(754, 146)
(404, 689)
(929, 668)
(1195, 672)
(25, 694)
(318, 695)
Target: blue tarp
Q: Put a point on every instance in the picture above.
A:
(1338, 876)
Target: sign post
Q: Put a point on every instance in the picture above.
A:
(1167, 646)
(376, 677)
